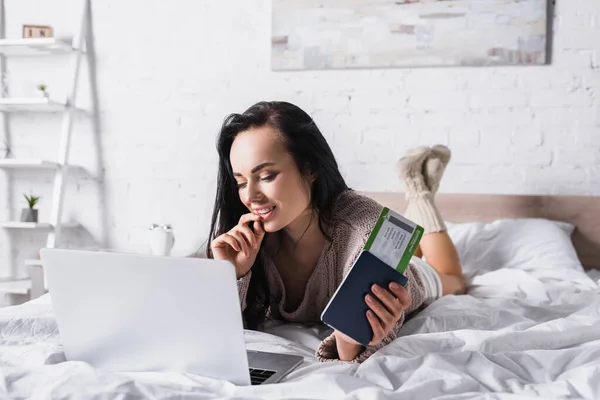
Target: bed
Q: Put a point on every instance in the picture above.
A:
(528, 327)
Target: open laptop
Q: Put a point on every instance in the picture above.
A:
(129, 312)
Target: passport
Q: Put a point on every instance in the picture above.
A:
(383, 260)
(347, 309)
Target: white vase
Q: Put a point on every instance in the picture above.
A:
(161, 240)
(42, 93)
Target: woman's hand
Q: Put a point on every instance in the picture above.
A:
(383, 315)
(240, 245)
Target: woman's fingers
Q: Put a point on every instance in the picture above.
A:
(256, 221)
(259, 230)
(379, 331)
(247, 218)
(385, 309)
(227, 239)
(243, 244)
(388, 307)
(248, 235)
(240, 237)
(389, 301)
(401, 294)
(386, 317)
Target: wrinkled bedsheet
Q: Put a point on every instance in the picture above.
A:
(516, 334)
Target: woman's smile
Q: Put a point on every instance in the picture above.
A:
(265, 212)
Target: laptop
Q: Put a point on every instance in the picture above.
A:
(130, 312)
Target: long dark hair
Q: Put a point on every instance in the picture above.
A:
(309, 149)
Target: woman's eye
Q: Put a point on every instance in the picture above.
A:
(269, 178)
(241, 185)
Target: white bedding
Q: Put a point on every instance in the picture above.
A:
(524, 330)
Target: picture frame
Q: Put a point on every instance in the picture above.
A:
(346, 34)
(37, 31)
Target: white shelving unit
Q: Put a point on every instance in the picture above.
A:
(33, 104)
(35, 225)
(15, 286)
(27, 164)
(34, 47)
(75, 50)
(33, 163)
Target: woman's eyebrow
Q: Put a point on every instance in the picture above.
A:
(257, 168)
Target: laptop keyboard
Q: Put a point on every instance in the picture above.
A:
(258, 376)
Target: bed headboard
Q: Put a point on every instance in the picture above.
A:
(581, 211)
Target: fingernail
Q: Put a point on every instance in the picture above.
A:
(368, 298)
(376, 288)
(394, 285)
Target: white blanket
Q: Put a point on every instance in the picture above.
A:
(520, 332)
(540, 336)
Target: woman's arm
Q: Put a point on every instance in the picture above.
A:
(334, 349)
(347, 351)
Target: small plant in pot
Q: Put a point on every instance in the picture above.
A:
(42, 90)
(30, 214)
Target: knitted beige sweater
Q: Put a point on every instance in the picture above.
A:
(355, 217)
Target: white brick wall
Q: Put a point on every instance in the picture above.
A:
(168, 73)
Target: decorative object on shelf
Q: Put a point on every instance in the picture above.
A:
(314, 35)
(30, 214)
(37, 31)
(161, 239)
(42, 90)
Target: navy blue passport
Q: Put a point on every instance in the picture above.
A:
(347, 309)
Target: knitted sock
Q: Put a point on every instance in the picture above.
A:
(410, 170)
(420, 206)
(435, 164)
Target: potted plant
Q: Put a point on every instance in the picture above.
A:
(42, 90)
(30, 214)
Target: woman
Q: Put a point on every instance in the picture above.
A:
(290, 225)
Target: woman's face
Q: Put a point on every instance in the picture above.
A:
(269, 181)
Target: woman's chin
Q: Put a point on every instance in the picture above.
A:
(271, 226)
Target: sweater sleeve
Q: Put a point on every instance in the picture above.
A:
(327, 350)
(242, 285)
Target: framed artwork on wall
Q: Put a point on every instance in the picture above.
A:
(329, 34)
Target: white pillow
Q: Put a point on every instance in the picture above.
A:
(523, 243)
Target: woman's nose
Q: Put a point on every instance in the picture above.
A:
(252, 193)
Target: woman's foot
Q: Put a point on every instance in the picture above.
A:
(435, 165)
(410, 169)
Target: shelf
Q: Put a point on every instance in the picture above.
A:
(35, 225)
(33, 263)
(33, 163)
(30, 104)
(14, 163)
(15, 286)
(34, 47)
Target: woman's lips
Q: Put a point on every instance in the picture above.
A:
(268, 215)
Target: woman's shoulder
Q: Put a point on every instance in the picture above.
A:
(356, 213)
(354, 216)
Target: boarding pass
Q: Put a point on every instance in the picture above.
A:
(394, 239)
